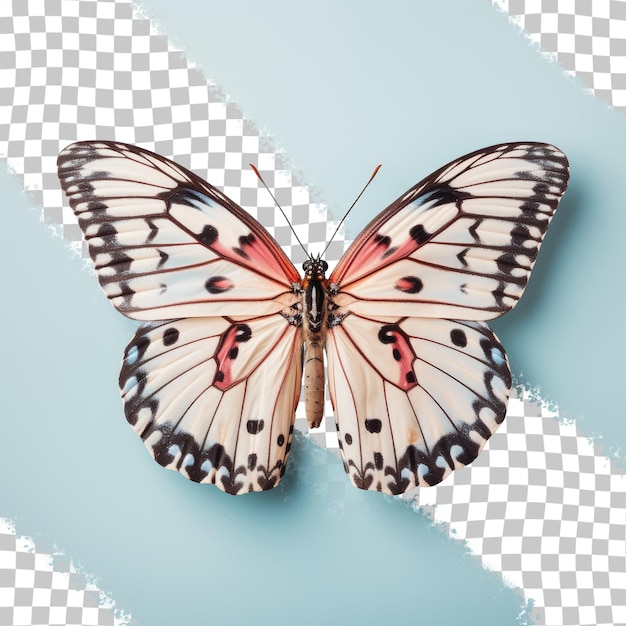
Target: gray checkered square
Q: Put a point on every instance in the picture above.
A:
(542, 507)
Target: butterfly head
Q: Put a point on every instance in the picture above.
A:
(315, 267)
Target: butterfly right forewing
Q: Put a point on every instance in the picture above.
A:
(461, 244)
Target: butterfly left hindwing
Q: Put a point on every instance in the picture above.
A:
(214, 397)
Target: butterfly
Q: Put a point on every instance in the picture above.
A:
(212, 378)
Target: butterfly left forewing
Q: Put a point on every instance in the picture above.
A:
(167, 244)
(416, 392)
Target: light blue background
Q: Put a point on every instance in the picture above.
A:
(412, 85)
(342, 86)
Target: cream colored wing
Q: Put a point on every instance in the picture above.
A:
(414, 398)
(461, 244)
(215, 398)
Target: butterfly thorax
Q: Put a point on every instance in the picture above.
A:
(314, 316)
(314, 287)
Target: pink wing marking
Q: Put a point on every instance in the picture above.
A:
(227, 352)
(236, 358)
(397, 340)
(256, 254)
(254, 249)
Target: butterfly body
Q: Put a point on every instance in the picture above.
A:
(417, 380)
(315, 306)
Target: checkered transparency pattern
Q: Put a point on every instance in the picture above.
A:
(80, 69)
(539, 505)
(586, 37)
(542, 507)
(37, 589)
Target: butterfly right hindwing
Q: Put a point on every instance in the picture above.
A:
(414, 398)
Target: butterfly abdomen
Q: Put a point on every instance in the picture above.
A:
(314, 333)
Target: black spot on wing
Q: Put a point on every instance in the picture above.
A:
(209, 235)
(378, 461)
(444, 194)
(373, 425)
(473, 230)
(164, 257)
(458, 337)
(499, 294)
(106, 230)
(506, 263)
(410, 284)
(153, 231)
(254, 427)
(384, 241)
(419, 234)
(245, 241)
(218, 284)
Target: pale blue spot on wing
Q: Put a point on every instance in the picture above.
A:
(222, 472)
(132, 355)
(497, 357)
(456, 451)
(197, 199)
(129, 385)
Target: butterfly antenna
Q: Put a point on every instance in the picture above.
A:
(256, 171)
(343, 219)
